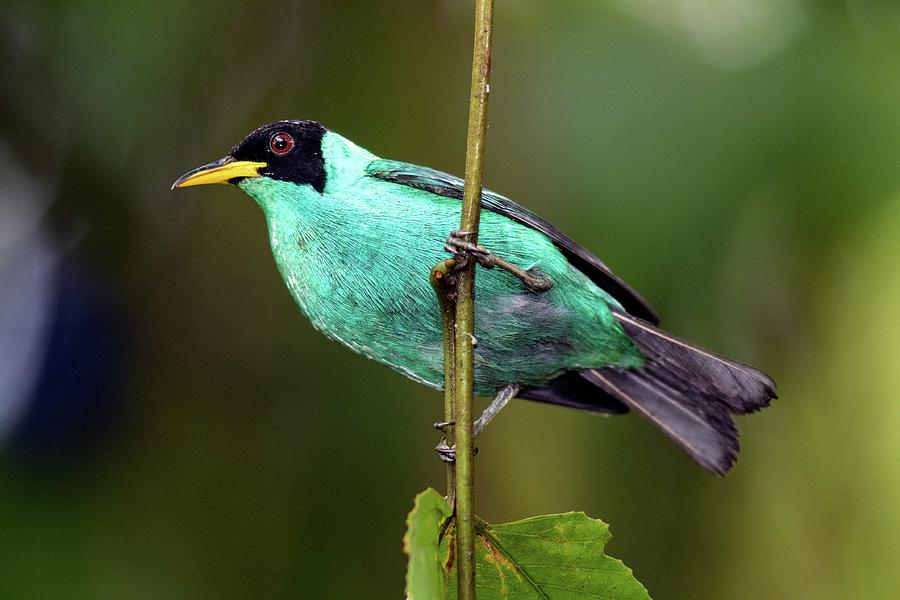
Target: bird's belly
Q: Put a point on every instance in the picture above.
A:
(520, 337)
(369, 289)
(382, 314)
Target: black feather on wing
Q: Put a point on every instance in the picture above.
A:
(448, 186)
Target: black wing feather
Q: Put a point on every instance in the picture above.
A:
(448, 186)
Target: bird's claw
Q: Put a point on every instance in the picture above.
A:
(463, 251)
(447, 453)
(459, 246)
(443, 425)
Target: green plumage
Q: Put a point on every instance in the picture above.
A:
(357, 259)
(355, 238)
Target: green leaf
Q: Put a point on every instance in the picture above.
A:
(425, 575)
(551, 557)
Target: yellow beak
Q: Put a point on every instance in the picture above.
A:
(220, 171)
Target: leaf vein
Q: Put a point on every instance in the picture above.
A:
(489, 538)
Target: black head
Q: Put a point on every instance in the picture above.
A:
(284, 150)
(292, 151)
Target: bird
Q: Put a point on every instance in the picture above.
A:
(355, 237)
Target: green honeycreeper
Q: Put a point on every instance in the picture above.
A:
(355, 237)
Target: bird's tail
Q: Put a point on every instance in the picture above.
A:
(688, 392)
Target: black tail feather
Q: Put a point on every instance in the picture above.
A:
(690, 393)
(743, 388)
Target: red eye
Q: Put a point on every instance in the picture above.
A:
(281, 143)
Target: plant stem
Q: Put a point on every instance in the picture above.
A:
(465, 301)
(443, 280)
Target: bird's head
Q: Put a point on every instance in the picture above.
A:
(284, 151)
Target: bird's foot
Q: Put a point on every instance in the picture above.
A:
(447, 453)
(463, 250)
(459, 246)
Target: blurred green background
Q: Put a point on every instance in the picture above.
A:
(173, 428)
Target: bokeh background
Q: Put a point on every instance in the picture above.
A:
(171, 427)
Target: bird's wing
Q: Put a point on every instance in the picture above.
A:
(448, 186)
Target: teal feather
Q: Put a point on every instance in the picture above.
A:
(355, 238)
(357, 258)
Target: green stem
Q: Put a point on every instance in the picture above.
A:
(443, 280)
(465, 302)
